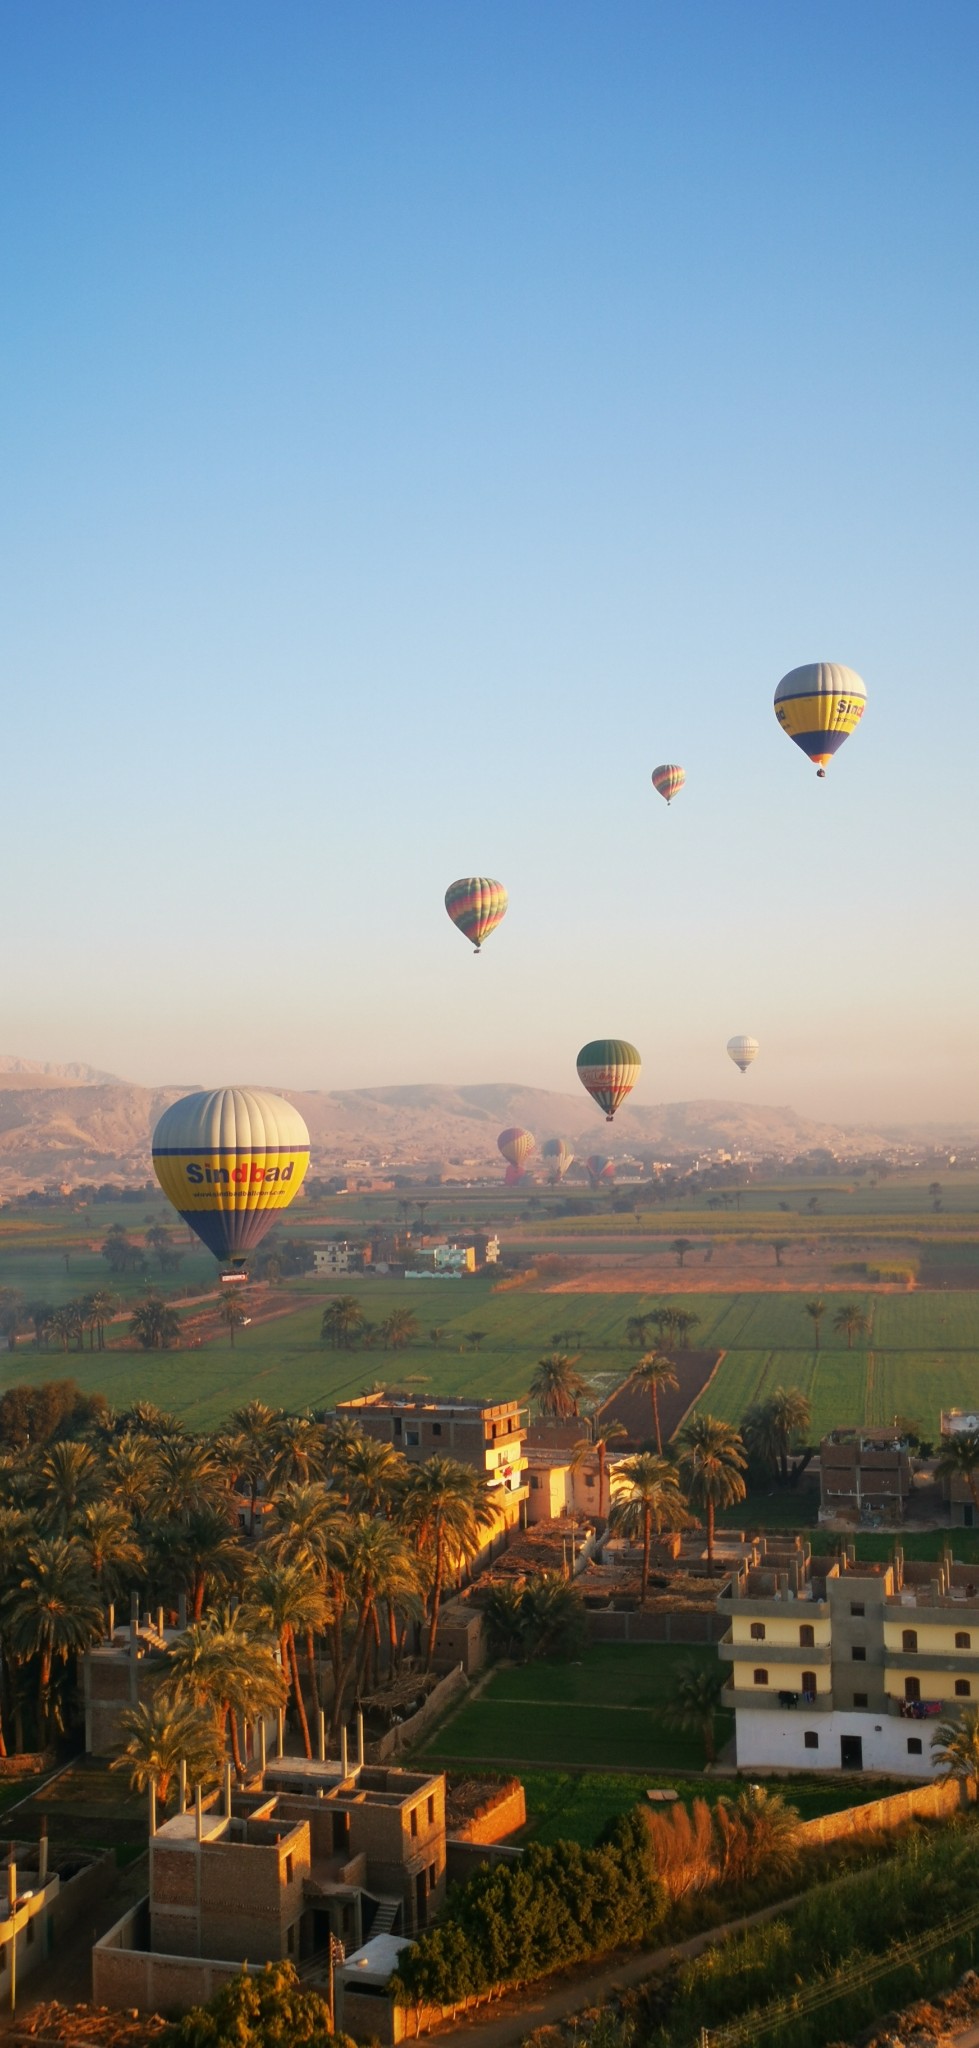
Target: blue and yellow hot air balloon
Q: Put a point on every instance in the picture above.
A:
(230, 1160)
(477, 905)
(609, 1069)
(819, 705)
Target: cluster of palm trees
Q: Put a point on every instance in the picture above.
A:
(671, 1325)
(304, 1535)
(850, 1319)
(346, 1327)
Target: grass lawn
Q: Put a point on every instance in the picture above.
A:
(576, 1805)
(605, 1712)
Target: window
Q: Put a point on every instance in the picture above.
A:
(860, 1699)
(962, 1689)
(436, 1429)
(912, 1688)
(431, 1810)
(909, 1639)
(398, 1425)
(807, 1636)
(289, 1869)
(290, 1939)
(534, 1482)
(858, 1653)
(432, 1877)
(963, 1640)
(914, 1745)
(589, 1478)
(856, 1608)
(811, 1739)
(757, 1631)
(809, 1682)
(414, 1820)
(411, 1436)
(761, 1678)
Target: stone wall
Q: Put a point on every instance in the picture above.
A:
(878, 1816)
(404, 1733)
(613, 1625)
(502, 1813)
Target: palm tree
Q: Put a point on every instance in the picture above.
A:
(196, 1552)
(375, 1474)
(227, 1663)
(187, 1477)
(816, 1309)
(636, 1330)
(446, 1507)
(131, 1470)
(253, 1428)
(101, 1306)
(769, 1427)
(284, 1598)
(154, 1325)
(342, 1321)
(54, 1612)
(595, 1445)
(711, 1463)
(959, 1459)
(853, 1320)
(399, 1329)
(115, 1558)
(646, 1496)
(299, 1450)
(756, 1832)
(655, 1373)
(68, 1479)
(66, 1322)
(780, 1245)
(696, 1698)
(681, 1246)
(955, 1748)
(381, 1566)
(556, 1386)
(232, 1315)
(161, 1734)
(684, 1321)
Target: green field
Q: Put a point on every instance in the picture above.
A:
(923, 1352)
(605, 1711)
(576, 1805)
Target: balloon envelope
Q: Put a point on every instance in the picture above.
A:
(609, 1069)
(230, 1160)
(668, 779)
(516, 1145)
(742, 1051)
(598, 1168)
(477, 905)
(819, 705)
(559, 1155)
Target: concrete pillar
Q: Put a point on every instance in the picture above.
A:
(182, 1785)
(181, 1610)
(261, 1745)
(227, 1791)
(152, 1807)
(159, 1621)
(198, 1814)
(280, 1733)
(360, 1738)
(321, 1735)
(110, 1620)
(42, 1853)
(133, 1662)
(344, 1767)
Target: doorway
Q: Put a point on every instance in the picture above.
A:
(851, 1752)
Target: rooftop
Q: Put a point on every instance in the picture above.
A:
(416, 1404)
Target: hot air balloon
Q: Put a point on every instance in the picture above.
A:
(819, 705)
(599, 1168)
(516, 1146)
(609, 1069)
(559, 1156)
(230, 1160)
(477, 906)
(669, 779)
(742, 1051)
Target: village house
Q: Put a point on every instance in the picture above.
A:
(865, 1475)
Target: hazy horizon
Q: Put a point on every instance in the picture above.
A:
(419, 423)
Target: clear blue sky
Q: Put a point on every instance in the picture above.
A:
(416, 422)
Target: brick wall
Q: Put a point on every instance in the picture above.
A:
(878, 1816)
(607, 1625)
(500, 1817)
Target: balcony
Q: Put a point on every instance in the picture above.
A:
(767, 1698)
(773, 1653)
(952, 1663)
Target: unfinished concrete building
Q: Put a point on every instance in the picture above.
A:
(865, 1475)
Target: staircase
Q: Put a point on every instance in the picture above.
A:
(385, 1917)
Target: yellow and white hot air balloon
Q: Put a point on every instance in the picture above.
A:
(230, 1160)
(819, 705)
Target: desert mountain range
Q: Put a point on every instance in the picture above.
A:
(72, 1123)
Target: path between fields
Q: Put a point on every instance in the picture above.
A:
(517, 2014)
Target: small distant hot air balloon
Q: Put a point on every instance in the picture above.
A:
(230, 1160)
(669, 779)
(609, 1069)
(477, 905)
(819, 706)
(742, 1051)
(599, 1168)
(516, 1146)
(559, 1156)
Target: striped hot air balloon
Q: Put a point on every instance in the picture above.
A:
(609, 1069)
(819, 705)
(516, 1146)
(669, 779)
(477, 905)
(742, 1051)
(230, 1160)
(599, 1168)
(559, 1156)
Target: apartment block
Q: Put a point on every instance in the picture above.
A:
(962, 1511)
(865, 1475)
(839, 1665)
(488, 1435)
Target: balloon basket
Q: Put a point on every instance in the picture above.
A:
(236, 1276)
